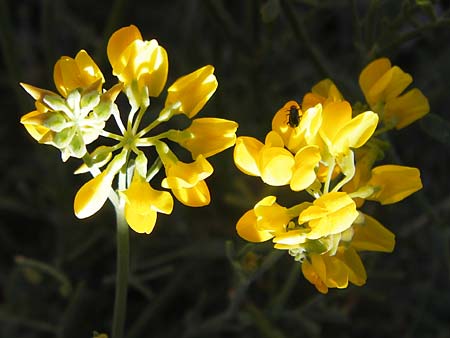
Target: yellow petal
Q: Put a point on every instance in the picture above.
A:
(246, 155)
(80, 72)
(336, 272)
(37, 131)
(330, 214)
(315, 274)
(355, 133)
(193, 90)
(92, 195)
(196, 196)
(270, 215)
(334, 117)
(371, 74)
(207, 136)
(372, 236)
(187, 175)
(404, 110)
(399, 81)
(276, 165)
(393, 183)
(306, 161)
(142, 204)
(355, 268)
(247, 229)
(117, 44)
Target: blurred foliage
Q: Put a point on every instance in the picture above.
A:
(193, 277)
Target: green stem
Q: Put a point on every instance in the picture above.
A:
(123, 253)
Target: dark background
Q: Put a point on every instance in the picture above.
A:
(193, 276)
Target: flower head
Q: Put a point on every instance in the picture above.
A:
(383, 84)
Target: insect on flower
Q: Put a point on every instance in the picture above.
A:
(294, 116)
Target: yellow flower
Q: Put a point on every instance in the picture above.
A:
(206, 136)
(246, 227)
(336, 271)
(246, 155)
(81, 72)
(371, 235)
(304, 170)
(33, 124)
(142, 203)
(306, 133)
(192, 90)
(186, 180)
(393, 183)
(323, 92)
(382, 85)
(340, 131)
(264, 221)
(330, 214)
(141, 65)
(271, 161)
(94, 193)
(405, 109)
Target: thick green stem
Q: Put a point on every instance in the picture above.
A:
(123, 254)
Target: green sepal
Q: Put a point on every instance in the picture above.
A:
(64, 137)
(90, 100)
(55, 121)
(55, 102)
(77, 146)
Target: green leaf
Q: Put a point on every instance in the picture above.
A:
(437, 128)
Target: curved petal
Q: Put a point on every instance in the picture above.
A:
(247, 229)
(92, 195)
(355, 133)
(276, 165)
(117, 44)
(371, 74)
(246, 155)
(197, 196)
(404, 110)
(304, 174)
(372, 236)
(193, 90)
(393, 183)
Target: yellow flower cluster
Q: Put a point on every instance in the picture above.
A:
(76, 118)
(326, 149)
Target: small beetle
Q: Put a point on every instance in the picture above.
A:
(294, 117)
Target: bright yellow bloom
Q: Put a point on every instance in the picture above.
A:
(186, 180)
(323, 92)
(371, 235)
(94, 193)
(393, 183)
(326, 271)
(306, 133)
(304, 170)
(264, 221)
(142, 203)
(330, 214)
(271, 161)
(382, 85)
(192, 90)
(405, 109)
(246, 155)
(206, 136)
(81, 72)
(340, 131)
(142, 66)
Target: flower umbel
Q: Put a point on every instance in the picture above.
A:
(330, 153)
(76, 117)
